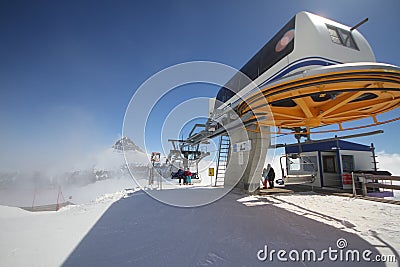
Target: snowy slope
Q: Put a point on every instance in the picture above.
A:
(378, 223)
(138, 230)
(104, 172)
(47, 238)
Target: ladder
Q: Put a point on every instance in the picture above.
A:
(223, 157)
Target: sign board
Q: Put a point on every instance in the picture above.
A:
(347, 181)
(155, 156)
(242, 146)
(210, 171)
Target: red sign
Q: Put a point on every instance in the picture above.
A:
(346, 178)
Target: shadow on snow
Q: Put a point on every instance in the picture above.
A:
(140, 231)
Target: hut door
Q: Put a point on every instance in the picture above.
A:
(330, 169)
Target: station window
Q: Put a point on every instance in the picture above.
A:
(341, 36)
(348, 163)
(310, 163)
(293, 164)
(329, 164)
(281, 45)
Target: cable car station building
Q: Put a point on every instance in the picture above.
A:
(332, 160)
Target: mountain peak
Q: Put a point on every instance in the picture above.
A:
(126, 144)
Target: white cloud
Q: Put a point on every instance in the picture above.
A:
(389, 162)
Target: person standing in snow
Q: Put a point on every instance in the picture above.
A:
(181, 176)
(265, 178)
(188, 176)
(271, 176)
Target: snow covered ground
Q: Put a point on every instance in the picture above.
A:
(21, 196)
(48, 238)
(378, 223)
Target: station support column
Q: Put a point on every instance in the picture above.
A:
(247, 162)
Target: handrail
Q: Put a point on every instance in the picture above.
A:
(365, 183)
(379, 177)
(387, 186)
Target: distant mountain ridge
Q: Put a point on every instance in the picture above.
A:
(102, 165)
(126, 144)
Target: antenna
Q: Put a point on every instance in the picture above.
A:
(359, 24)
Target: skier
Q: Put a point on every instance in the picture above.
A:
(188, 176)
(181, 176)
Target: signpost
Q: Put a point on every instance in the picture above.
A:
(155, 157)
(211, 174)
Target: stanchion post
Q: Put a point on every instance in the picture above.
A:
(354, 184)
(211, 174)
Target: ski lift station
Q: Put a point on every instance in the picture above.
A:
(313, 73)
(329, 162)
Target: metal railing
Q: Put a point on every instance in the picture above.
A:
(363, 182)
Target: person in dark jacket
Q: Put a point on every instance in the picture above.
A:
(271, 176)
(181, 176)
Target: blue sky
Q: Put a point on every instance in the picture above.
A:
(69, 68)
